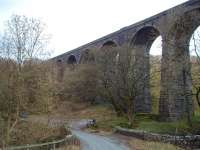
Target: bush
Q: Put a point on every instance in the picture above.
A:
(80, 84)
(32, 133)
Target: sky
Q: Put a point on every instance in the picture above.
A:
(73, 23)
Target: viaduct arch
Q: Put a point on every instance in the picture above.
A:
(175, 26)
(71, 60)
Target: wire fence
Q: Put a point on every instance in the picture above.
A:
(66, 143)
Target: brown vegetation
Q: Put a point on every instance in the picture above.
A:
(26, 81)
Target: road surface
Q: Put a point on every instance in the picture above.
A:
(92, 141)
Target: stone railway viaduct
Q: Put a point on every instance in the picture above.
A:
(175, 26)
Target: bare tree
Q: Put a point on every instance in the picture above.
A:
(23, 41)
(119, 79)
(24, 38)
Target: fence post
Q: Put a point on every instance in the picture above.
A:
(54, 146)
(27, 146)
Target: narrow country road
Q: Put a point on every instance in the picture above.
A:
(94, 142)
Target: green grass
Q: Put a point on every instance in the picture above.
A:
(107, 120)
(110, 123)
(149, 123)
(163, 127)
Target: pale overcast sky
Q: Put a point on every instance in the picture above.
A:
(73, 23)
